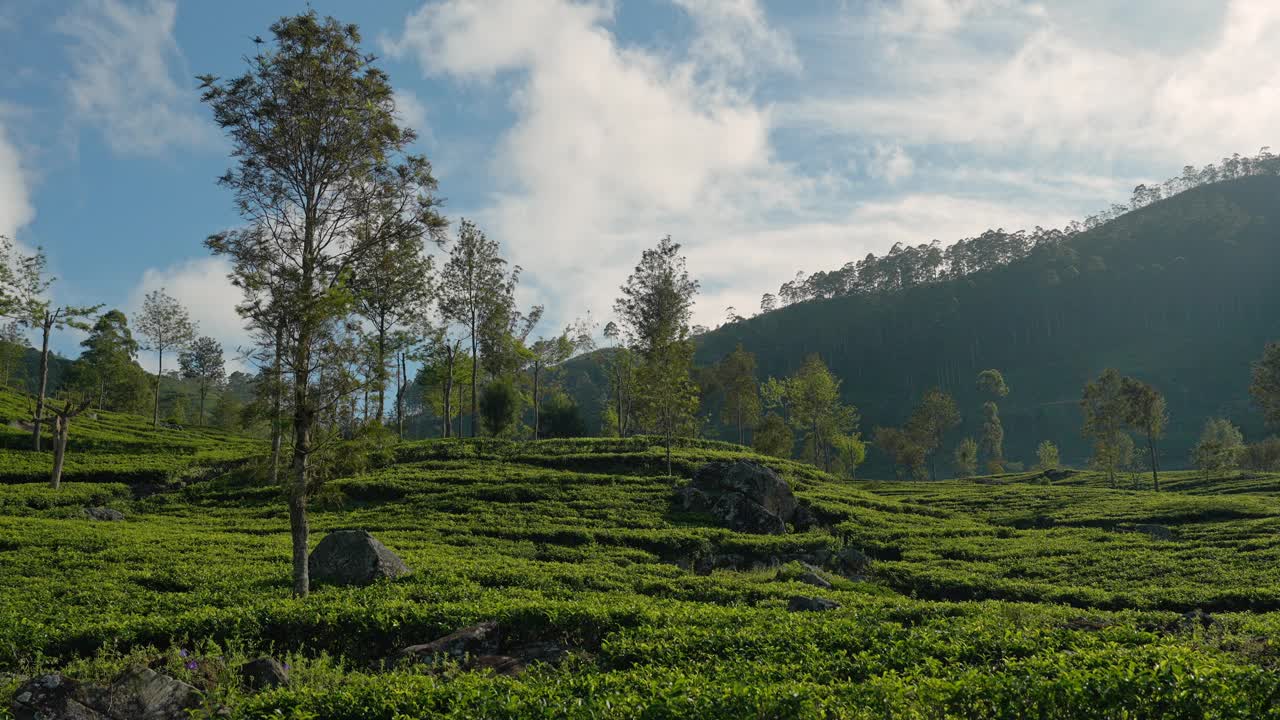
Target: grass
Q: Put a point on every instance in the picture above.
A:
(998, 598)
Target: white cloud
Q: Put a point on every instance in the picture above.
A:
(201, 285)
(613, 146)
(891, 164)
(124, 61)
(15, 203)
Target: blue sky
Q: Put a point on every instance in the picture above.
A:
(767, 137)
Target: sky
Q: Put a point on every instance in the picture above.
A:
(767, 137)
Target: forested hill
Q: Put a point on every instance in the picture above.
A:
(1181, 293)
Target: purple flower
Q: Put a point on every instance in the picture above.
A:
(286, 666)
(192, 664)
(182, 652)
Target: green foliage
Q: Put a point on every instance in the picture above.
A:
(499, 403)
(1220, 447)
(1047, 456)
(992, 383)
(735, 376)
(903, 449)
(936, 415)
(811, 401)
(1263, 455)
(1106, 409)
(965, 458)
(1265, 385)
(773, 437)
(560, 417)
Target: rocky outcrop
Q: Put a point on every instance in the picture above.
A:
(800, 603)
(139, 694)
(353, 557)
(103, 513)
(745, 497)
(482, 647)
(264, 673)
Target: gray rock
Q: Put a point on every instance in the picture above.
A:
(800, 603)
(263, 674)
(804, 519)
(144, 694)
(497, 664)
(477, 640)
(353, 557)
(743, 496)
(139, 694)
(52, 697)
(812, 577)
(853, 561)
(103, 513)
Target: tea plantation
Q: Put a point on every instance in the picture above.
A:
(1007, 597)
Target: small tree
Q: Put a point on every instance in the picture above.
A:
(106, 369)
(850, 452)
(1105, 408)
(61, 422)
(549, 352)
(1219, 448)
(1145, 412)
(499, 403)
(203, 363)
(991, 382)
(965, 458)
(902, 448)
(736, 376)
(24, 287)
(1047, 455)
(166, 326)
(622, 379)
(561, 417)
(12, 347)
(1265, 384)
(933, 418)
(773, 437)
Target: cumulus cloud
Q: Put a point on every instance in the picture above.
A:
(15, 203)
(124, 64)
(201, 285)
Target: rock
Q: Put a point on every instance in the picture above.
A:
(1159, 532)
(103, 513)
(353, 557)
(743, 496)
(811, 577)
(144, 694)
(139, 694)
(804, 519)
(800, 603)
(52, 697)
(499, 664)
(264, 673)
(853, 561)
(476, 640)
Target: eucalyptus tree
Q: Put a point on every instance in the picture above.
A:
(1146, 411)
(735, 374)
(165, 325)
(204, 363)
(933, 418)
(475, 289)
(24, 296)
(1104, 406)
(317, 151)
(549, 352)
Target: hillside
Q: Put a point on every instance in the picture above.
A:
(1180, 294)
(1000, 598)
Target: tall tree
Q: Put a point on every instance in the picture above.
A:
(965, 458)
(312, 124)
(106, 368)
(1104, 407)
(1145, 411)
(475, 291)
(622, 377)
(991, 382)
(165, 325)
(549, 352)
(653, 315)
(1219, 448)
(1265, 384)
(203, 362)
(736, 376)
(391, 283)
(24, 288)
(903, 449)
(932, 419)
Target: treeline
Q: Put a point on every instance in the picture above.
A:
(906, 266)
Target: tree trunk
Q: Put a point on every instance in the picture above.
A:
(448, 393)
(461, 405)
(204, 390)
(277, 393)
(46, 327)
(382, 372)
(475, 375)
(536, 414)
(60, 428)
(1155, 470)
(402, 382)
(155, 414)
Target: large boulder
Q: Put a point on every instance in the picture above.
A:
(353, 557)
(139, 694)
(264, 673)
(103, 513)
(481, 639)
(744, 496)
